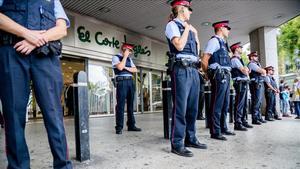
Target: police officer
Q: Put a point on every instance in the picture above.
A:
(30, 50)
(271, 90)
(183, 42)
(257, 75)
(124, 67)
(217, 61)
(240, 77)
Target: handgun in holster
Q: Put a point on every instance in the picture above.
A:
(171, 62)
(52, 48)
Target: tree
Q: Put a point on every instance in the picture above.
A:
(289, 44)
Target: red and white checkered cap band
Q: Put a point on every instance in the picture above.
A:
(183, 3)
(219, 25)
(127, 46)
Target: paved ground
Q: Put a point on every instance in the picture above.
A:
(275, 145)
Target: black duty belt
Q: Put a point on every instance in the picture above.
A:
(120, 78)
(186, 63)
(9, 39)
(241, 81)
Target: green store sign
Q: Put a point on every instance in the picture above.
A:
(85, 36)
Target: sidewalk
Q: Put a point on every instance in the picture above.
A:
(275, 145)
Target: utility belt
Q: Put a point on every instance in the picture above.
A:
(223, 71)
(52, 48)
(185, 63)
(6, 39)
(257, 80)
(121, 78)
(241, 81)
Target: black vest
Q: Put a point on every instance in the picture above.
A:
(123, 72)
(236, 72)
(32, 14)
(272, 82)
(190, 47)
(253, 74)
(221, 56)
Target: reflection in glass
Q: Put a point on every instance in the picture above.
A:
(100, 90)
(156, 92)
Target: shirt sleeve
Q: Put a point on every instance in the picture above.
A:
(212, 46)
(235, 63)
(267, 80)
(253, 67)
(172, 30)
(115, 61)
(60, 13)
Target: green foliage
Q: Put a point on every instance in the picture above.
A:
(289, 42)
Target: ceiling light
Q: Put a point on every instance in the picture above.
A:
(150, 27)
(104, 10)
(205, 23)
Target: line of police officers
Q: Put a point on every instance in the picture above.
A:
(219, 68)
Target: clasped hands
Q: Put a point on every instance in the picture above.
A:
(32, 39)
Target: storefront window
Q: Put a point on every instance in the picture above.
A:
(100, 89)
(156, 92)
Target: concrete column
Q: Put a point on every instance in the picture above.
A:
(264, 41)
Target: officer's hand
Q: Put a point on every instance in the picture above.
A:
(186, 25)
(193, 29)
(36, 37)
(24, 47)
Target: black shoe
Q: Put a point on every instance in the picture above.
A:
(256, 122)
(2, 126)
(134, 128)
(218, 137)
(269, 119)
(240, 128)
(298, 117)
(196, 144)
(118, 131)
(247, 125)
(182, 151)
(278, 118)
(228, 133)
(262, 121)
(201, 118)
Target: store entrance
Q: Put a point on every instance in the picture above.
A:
(69, 66)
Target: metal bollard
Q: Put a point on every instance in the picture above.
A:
(201, 99)
(81, 114)
(231, 105)
(207, 97)
(167, 107)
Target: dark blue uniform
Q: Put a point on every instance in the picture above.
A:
(270, 99)
(240, 84)
(125, 91)
(256, 90)
(219, 74)
(185, 90)
(17, 72)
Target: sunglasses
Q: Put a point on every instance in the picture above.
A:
(189, 8)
